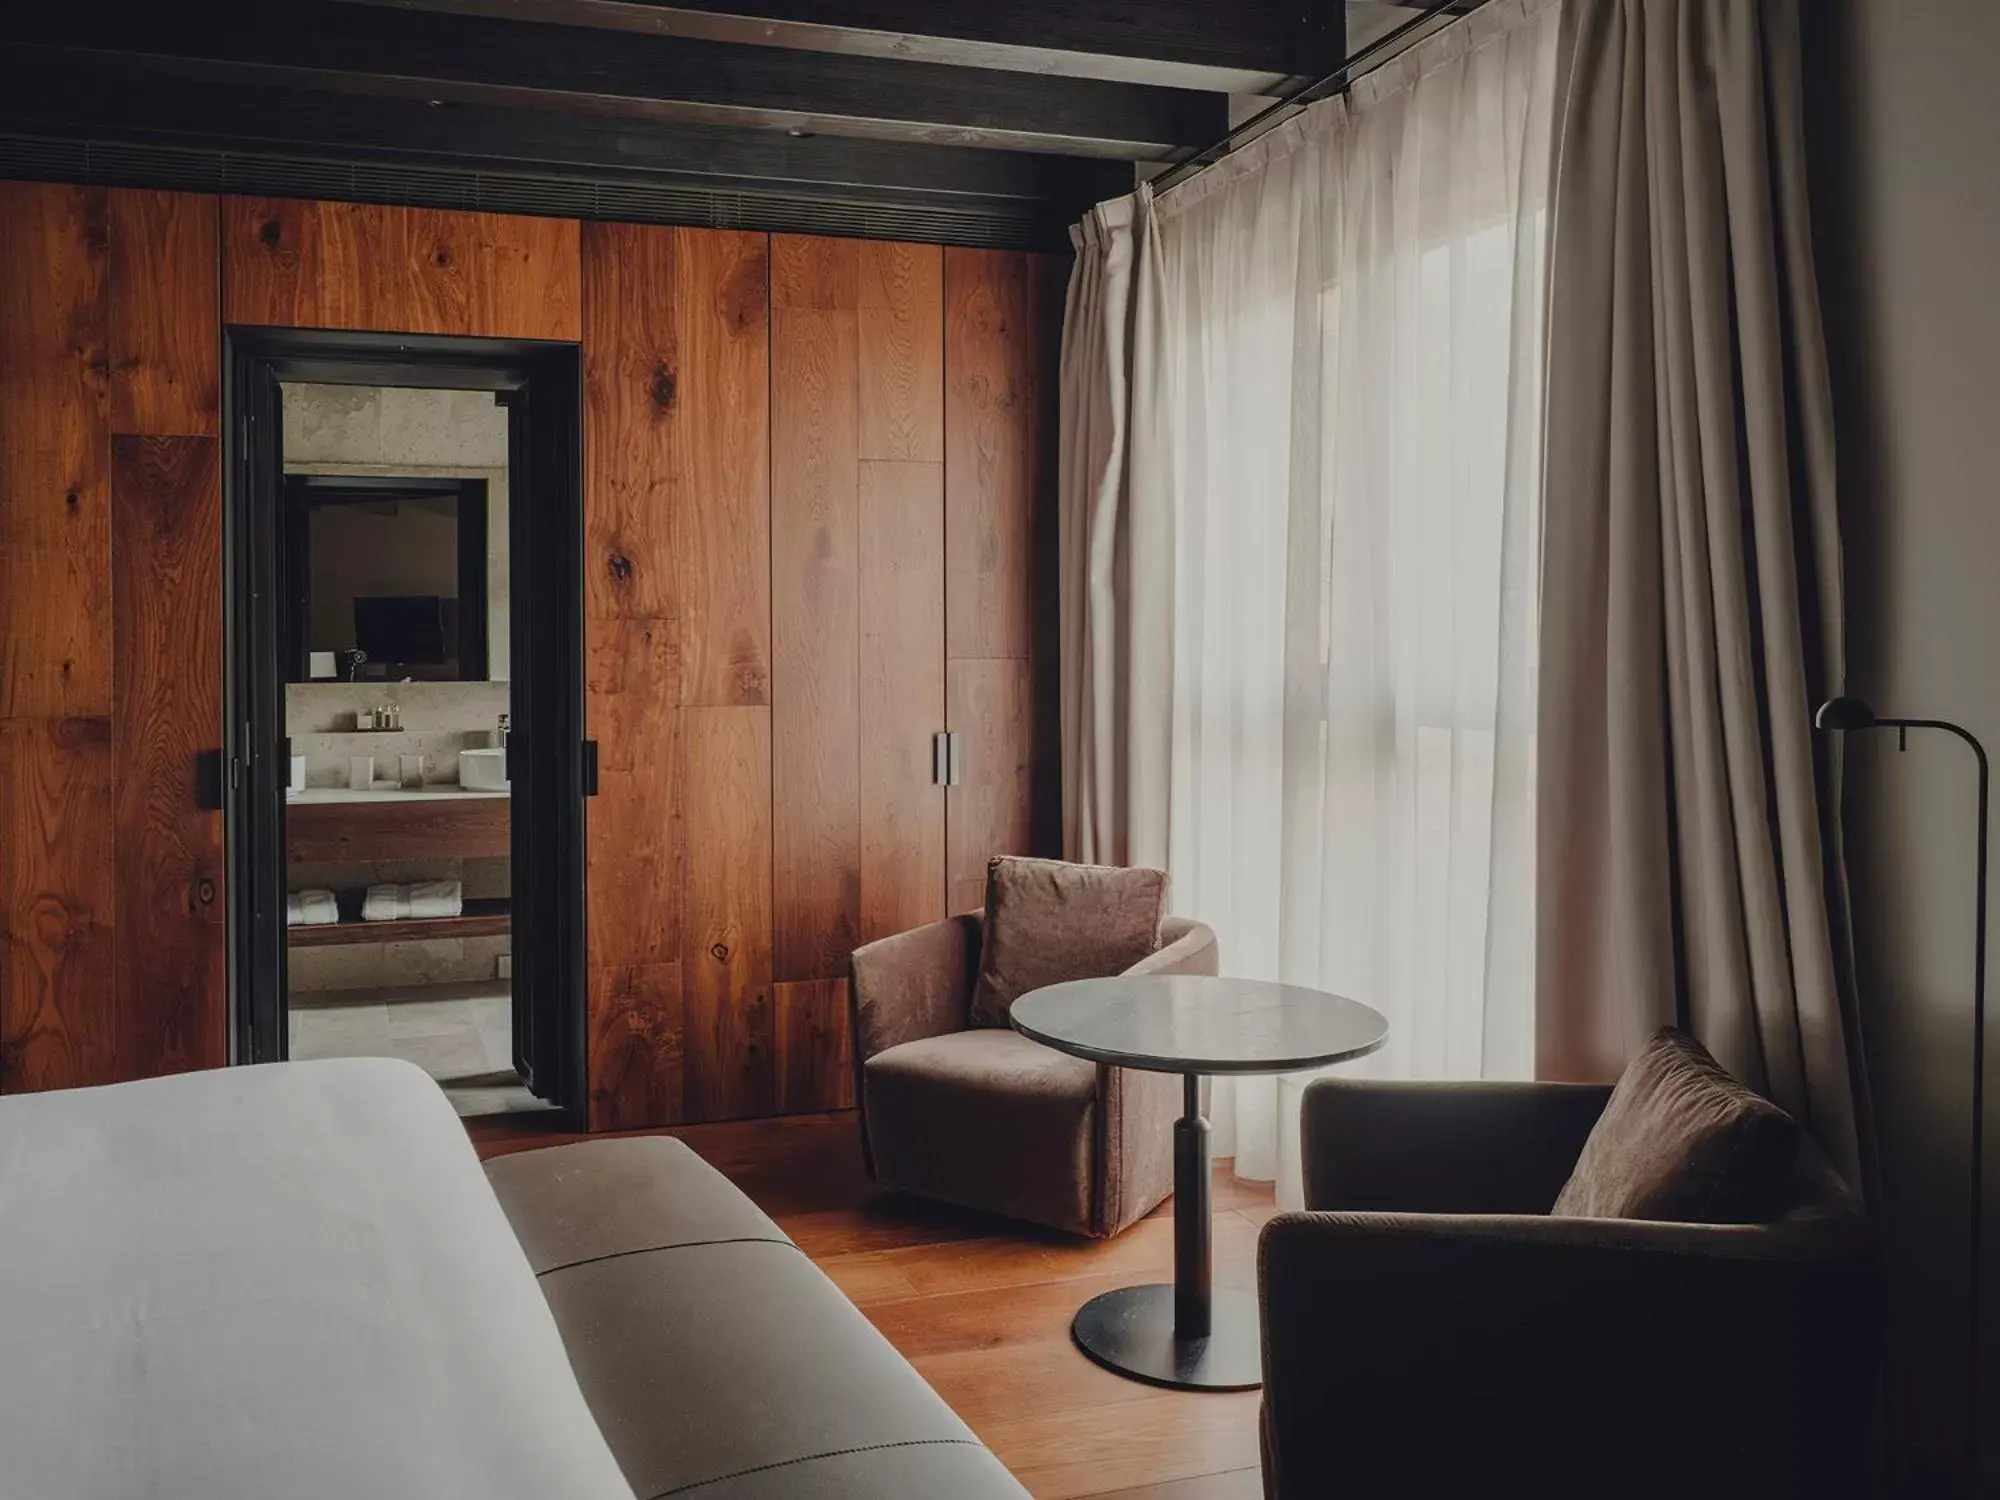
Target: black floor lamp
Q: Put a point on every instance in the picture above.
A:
(1846, 716)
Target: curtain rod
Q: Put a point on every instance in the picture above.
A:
(1340, 77)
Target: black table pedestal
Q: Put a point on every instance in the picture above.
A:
(1188, 1335)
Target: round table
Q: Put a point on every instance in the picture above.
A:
(1188, 1335)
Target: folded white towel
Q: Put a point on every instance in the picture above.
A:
(312, 908)
(403, 903)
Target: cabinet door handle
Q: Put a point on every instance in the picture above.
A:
(946, 762)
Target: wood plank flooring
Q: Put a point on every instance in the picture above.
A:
(981, 1306)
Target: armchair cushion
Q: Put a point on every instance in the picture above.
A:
(1048, 921)
(1682, 1140)
(987, 1119)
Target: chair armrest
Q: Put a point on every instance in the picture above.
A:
(1186, 947)
(1432, 1354)
(1464, 1148)
(913, 985)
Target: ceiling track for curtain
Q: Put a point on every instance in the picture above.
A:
(1383, 49)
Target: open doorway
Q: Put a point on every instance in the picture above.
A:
(404, 520)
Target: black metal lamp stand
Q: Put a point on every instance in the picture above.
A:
(1848, 715)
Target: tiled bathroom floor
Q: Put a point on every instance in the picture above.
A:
(460, 1034)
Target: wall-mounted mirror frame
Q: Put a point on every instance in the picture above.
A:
(306, 494)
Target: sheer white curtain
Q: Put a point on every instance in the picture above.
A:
(1346, 391)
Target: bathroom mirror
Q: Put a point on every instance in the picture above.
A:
(387, 579)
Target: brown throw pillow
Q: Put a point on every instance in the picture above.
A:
(1048, 921)
(1682, 1140)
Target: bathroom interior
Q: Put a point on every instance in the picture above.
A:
(396, 648)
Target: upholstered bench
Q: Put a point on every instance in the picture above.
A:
(716, 1357)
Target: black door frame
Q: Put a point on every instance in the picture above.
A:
(541, 384)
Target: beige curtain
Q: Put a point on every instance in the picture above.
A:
(1116, 518)
(1691, 606)
(1299, 607)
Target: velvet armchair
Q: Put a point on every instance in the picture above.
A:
(1429, 1329)
(983, 1117)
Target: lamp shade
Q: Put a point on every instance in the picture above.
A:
(1839, 714)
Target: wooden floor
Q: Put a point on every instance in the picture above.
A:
(981, 1307)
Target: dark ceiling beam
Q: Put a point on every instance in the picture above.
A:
(54, 92)
(470, 60)
(1249, 47)
(1370, 20)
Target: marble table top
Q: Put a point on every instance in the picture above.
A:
(1178, 1023)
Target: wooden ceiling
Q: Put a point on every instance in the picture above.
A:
(991, 121)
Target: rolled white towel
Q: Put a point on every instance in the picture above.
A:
(311, 908)
(385, 903)
(436, 898)
(402, 903)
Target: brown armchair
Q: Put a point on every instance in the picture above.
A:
(1429, 1330)
(985, 1118)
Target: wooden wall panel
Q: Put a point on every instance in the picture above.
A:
(172, 996)
(58, 1026)
(636, 1047)
(55, 453)
(636, 846)
(815, 630)
(630, 369)
(998, 433)
(677, 598)
(293, 263)
(902, 586)
(722, 472)
(902, 352)
(729, 1068)
(110, 636)
(1001, 329)
(815, 1068)
(990, 701)
(902, 696)
(635, 866)
(166, 370)
(636, 851)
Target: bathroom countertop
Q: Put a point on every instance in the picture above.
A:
(430, 793)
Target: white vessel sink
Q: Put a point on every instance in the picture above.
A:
(482, 770)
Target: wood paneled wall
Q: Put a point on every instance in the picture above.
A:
(818, 522)
(110, 636)
(298, 264)
(899, 541)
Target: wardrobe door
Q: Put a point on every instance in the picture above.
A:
(857, 628)
(1002, 321)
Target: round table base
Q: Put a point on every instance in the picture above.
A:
(1131, 1331)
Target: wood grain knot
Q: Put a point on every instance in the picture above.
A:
(621, 567)
(272, 233)
(441, 257)
(70, 501)
(204, 891)
(661, 387)
(719, 952)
